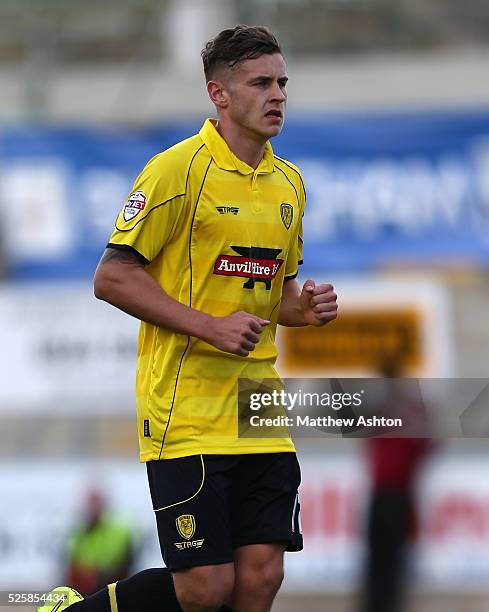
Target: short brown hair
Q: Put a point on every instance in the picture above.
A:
(235, 45)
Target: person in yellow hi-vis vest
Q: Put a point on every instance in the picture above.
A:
(100, 549)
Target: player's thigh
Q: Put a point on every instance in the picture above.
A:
(265, 503)
(191, 500)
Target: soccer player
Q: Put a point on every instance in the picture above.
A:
(205, 253)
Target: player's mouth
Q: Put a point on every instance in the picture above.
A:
(275, 115)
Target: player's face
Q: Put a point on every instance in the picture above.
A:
(257, 96)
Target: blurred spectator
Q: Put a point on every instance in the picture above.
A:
(101, 549)
(391, 518)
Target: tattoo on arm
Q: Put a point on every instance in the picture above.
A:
(123, 256)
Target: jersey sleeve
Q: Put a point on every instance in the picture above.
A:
(294, 257)
(151, 212)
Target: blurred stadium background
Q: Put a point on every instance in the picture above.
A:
(389, 120)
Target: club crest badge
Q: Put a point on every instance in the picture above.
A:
(186, 525)
(134, 205)
(287, 214)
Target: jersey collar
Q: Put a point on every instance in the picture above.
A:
(226, 159)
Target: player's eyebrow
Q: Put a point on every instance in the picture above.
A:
(265, 78)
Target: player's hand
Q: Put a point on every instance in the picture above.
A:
(237, 333)
(318, 303)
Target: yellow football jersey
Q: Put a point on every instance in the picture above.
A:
(218, 236)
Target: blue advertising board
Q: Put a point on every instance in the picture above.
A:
(382, 188)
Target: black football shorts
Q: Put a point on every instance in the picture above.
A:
(208, 505)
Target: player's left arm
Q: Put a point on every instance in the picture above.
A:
(312, 305)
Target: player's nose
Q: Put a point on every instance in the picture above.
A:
(278, 94)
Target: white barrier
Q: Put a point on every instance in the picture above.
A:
(62, 349)
(41, 500)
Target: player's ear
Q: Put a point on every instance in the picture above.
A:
(217, 93)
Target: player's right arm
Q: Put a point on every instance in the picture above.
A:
(121, 280)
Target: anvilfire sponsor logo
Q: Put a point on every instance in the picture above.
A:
(254, 263)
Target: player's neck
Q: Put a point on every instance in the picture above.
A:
(246, 146)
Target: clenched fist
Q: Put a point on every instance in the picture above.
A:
(237, 333)
(318, 303)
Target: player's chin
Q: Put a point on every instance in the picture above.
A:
(273, 130)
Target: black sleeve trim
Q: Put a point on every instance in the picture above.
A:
(127, 247)
(291, 277)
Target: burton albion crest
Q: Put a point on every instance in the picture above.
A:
(287, 214)
(186, 525)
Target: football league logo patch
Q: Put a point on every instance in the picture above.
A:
(134, 205)
(287, 214)
(186, 525)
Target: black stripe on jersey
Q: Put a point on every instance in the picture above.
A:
(274, 308)
(190, 305)
(284, 161)
(179, 195)
(190, 165)
(299, 205)
(127, 247)
(192, 228)
(296, 194)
